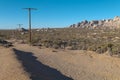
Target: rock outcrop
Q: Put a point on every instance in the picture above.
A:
(99, 24)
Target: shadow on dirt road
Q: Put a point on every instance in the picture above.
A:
(36, 69)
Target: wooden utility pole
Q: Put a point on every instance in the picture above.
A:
(29, 18)
(20, 25)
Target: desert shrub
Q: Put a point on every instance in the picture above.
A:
(110, 45)
(92, 48)
(85, 47)
(56, 46)
(116, 49)
(48, 43)
(103, 48)
(109, 49)
(74, 45)
(79, 47)
(99, 50)
(35, 40)
(63, 44)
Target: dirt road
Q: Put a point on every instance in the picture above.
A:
(80, 65)
(10, 67)
(44, 64)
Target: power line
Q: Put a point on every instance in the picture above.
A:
(29, 20)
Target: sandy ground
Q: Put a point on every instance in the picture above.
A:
(44, 64)
(10, 67)
(80, 65)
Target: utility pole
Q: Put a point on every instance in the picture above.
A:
(29, 21)
(20, 25)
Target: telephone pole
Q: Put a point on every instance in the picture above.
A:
(29, 21)
(20, 25)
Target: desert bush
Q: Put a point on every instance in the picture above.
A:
(92, 48)
(99, 40)
(109, 49)
(99, 50)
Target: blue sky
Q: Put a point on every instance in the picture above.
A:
(55, 13)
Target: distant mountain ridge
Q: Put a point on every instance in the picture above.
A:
(99, 24)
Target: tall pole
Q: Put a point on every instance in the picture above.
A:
(29, 18)
(20, 25)
(29, 14)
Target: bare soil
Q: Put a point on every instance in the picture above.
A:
(25, 62)
(10, 67)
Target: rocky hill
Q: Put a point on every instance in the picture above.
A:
(99, 24)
